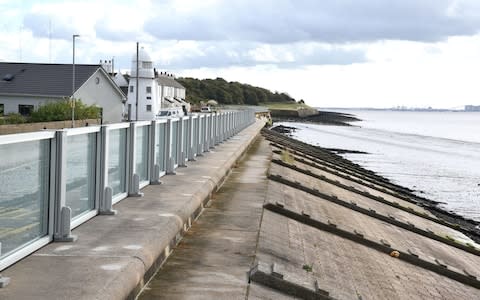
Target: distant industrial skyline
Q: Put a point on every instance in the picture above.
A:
(330, 53)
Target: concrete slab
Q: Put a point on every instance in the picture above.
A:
(348, 270)
(398, 237)
(366, 202)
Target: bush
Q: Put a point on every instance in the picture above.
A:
(15, 119)
(62, 110)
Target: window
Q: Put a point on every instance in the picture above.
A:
(131, 89)
(149, 89)
(149, 98)
(1, 109)
(146, 64)
(149, 107)
(25, 110)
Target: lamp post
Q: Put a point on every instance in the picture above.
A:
(72, 103)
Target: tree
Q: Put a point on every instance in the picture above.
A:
(250, 97)
(229, 92)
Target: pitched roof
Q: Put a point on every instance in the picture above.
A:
(169, 81)
(43, 79)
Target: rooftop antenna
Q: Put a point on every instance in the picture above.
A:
(50, 40)
(20, 44)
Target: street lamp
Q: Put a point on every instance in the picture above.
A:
(72, 103)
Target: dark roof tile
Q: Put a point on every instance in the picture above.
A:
(43, 79)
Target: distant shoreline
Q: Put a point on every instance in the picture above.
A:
(401, 109)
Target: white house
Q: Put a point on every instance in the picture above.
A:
(26, 86)
(172, 92)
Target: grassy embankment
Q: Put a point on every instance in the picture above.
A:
(299, 112)
(284, 105)
(290, 110)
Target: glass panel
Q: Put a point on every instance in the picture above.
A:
(160, 146)
(195, 132)
(24, 177)
(80, 172)
(174, 141)
(117, 160)
(204, 131)
(207, 127)
(141, 153)
(186, 143)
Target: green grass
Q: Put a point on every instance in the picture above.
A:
(284, 105)
(308, 268)
(450, 238)
(470, 246)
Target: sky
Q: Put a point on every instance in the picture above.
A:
(330, 53)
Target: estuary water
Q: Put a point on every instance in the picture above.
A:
(437, 154)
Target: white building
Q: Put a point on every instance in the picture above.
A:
(155, 92)
(147, 97)
(172, 92)
(26, 86)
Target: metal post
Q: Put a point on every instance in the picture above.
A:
(206, 143)
(73, 80)
(155, 174)
(198, 138)
(212, 131)
(181, 153)
(134, 178)
(191, 139)
(63, 213)
(106, 192)
(136, 91)
(169, 152)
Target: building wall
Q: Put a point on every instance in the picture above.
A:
(143, 100)
(167, 91)
(102, 94)
(180, 93)
(11, 103)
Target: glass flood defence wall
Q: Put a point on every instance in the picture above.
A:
(175, 141)
(195, 135)
(80, 172)
(117, 161)
(141, 153)
(49, 176)
(24, 191)
(160, 146)
(185, 136)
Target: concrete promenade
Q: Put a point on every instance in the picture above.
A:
(115, 255)
(212, 260)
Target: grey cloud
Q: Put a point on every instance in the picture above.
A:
(104, 31)
(330, 21)
(226, 54)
